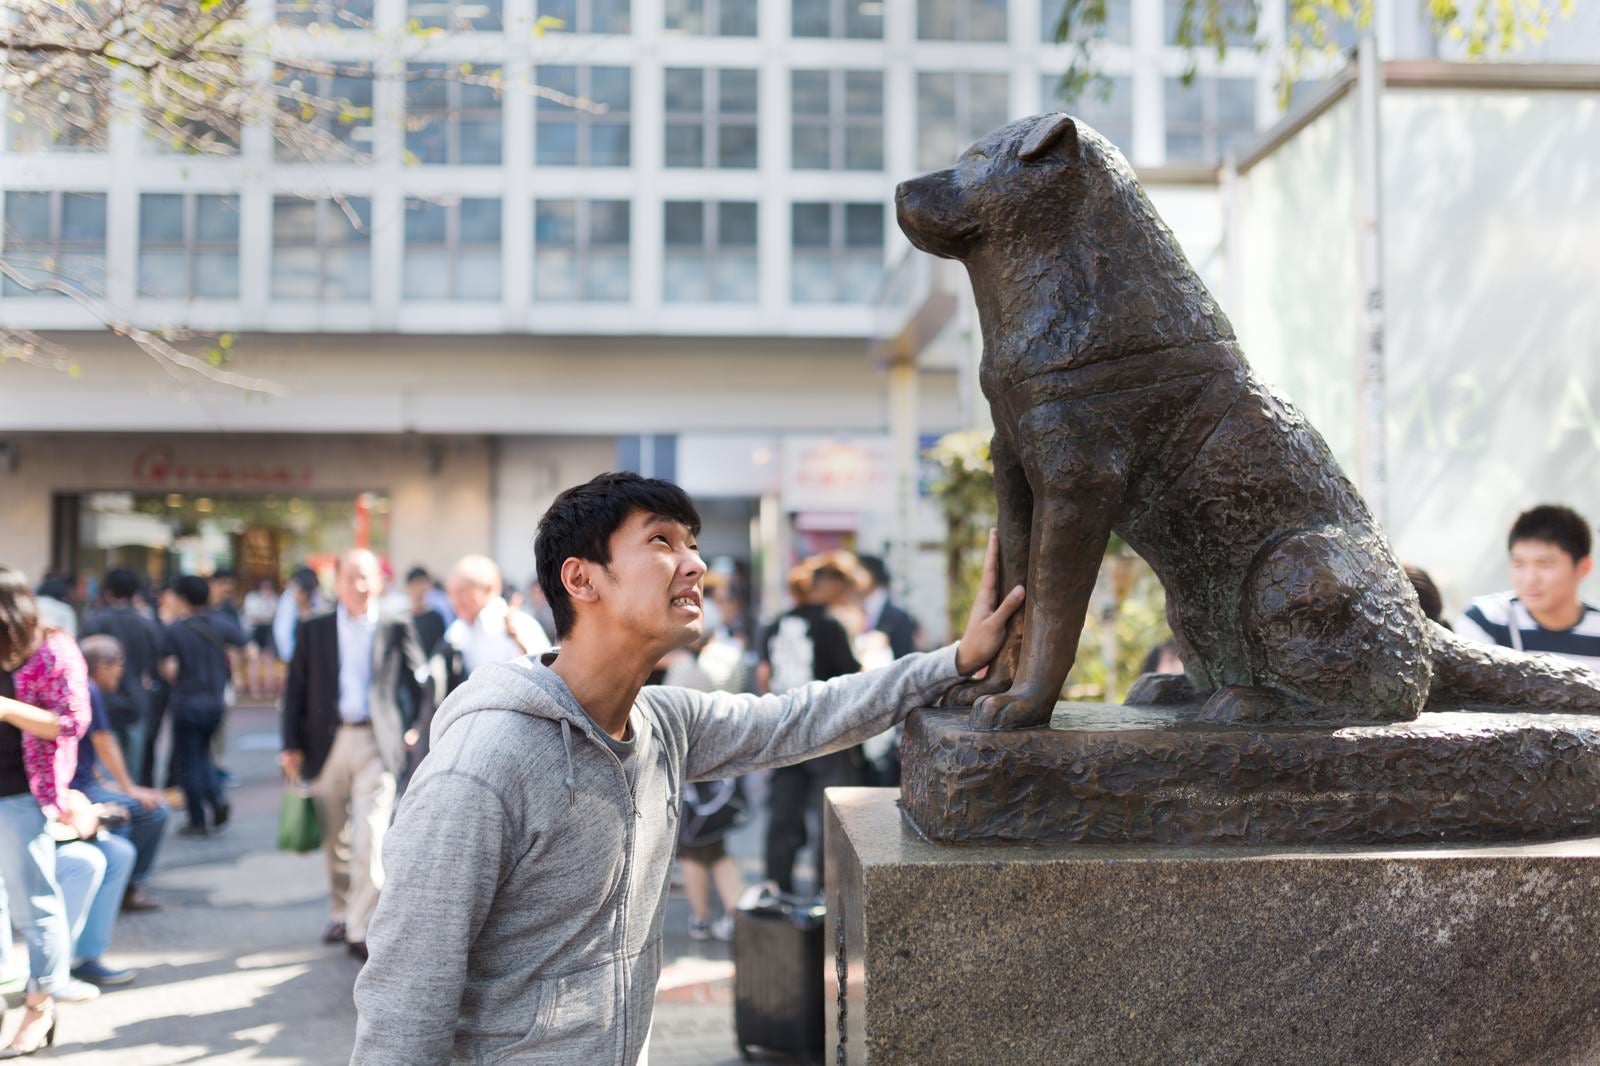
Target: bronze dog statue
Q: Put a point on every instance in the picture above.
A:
(1122, 403)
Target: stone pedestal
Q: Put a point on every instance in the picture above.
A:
(1009, 955)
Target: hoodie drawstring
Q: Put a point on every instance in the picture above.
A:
(571, 783)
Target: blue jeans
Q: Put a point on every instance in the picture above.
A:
(94, 875)
(28, 867)
(144, 828)
(192, 731)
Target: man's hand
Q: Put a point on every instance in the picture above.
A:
(78, 814)
(986, 625)
(290, 761)
(148, 798)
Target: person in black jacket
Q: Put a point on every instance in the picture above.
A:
(194, 661)
(132, 707)
(356, 683)
(883, 614)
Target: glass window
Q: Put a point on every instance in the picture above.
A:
(710, 117)
(325, 115)
(711, 252)
(583, 116)
(581, 251)
(588, 16)
(54, 238)
(838, 120)
(188, 246)
(452, 250)
(961, 20)
(344, 14)
(837, 18)
(716, 18)
(322, 248)
(453, 114)
(1237, 19)
(1106, 106)
(480, 15)
(837, 252)
(1207, 117)
(955, 109)
(1118, 26)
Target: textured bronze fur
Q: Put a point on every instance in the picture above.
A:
(1122, 403)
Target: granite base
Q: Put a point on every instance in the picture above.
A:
(1183, 955)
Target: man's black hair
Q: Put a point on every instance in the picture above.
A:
(418, 573)
(57, 587)
(1553, 524)
(580, 522)
(122, 584)
(224, 574)
(306, 578)
(874, 566)
(193, 590)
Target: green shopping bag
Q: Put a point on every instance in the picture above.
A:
(299, 829)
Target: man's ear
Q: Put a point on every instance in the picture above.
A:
(575, 578)
(1058, 132)
(1585, 567)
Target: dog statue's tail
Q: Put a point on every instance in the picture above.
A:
(1469, 674)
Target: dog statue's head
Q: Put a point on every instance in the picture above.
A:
(1024, 178)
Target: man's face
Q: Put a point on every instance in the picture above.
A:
(468, 597)
(651, 591)
(359, 580)
(109, 676)
(417, 590)
(1544, 576)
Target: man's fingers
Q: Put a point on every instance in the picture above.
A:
(991, 571)
(1008, 606)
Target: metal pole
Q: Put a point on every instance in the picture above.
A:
(1374, 473)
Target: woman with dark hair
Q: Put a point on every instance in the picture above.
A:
(44, 708)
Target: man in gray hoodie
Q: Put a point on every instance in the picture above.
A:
(529, 865)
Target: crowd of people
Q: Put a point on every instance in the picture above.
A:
(359, 677)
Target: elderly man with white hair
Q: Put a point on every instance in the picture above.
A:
(486, 630)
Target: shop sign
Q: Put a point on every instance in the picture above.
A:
(838, 474)
(155, 467)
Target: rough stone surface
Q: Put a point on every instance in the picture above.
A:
(1123, 404)
(1110, 774)
(1072, 954)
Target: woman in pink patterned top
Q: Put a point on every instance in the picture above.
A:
(44, 709)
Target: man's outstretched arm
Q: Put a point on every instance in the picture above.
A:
(730, 735)
(444, 857)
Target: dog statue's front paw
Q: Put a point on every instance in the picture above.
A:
(1013, 709)
(968, 693)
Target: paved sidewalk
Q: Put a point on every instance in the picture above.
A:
(232, 971)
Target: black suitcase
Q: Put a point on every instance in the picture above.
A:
(777, 976)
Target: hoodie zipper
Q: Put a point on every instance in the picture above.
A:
(626, 889)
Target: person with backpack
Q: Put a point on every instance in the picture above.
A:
(195, 663)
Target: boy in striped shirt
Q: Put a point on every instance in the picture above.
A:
(1550, 558)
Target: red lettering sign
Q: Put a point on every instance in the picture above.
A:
(155, 467)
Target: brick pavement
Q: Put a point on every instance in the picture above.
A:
(232, 972)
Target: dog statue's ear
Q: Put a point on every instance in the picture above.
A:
(1058, 132)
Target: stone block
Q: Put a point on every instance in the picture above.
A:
(1060, 954)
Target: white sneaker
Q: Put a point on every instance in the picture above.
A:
(76, 991)
(722, 928)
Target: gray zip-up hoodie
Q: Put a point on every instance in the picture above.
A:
(520, 921)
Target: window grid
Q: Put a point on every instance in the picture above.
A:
(188, 246)
(1236, 18)
(453, 114)
(955, 109)
(1208, 116)
(711, 18)
(837, 251)
(710, 117)
(482, 16)
(340, 99)
(573, 134)
(345, 14)
(858, 19)
(961, 20)
(589, 16)
(452, 250)
(837, 120)
(57, 237)
(709, 251)
(320, 253)
(581, 251)
(1117, 28)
